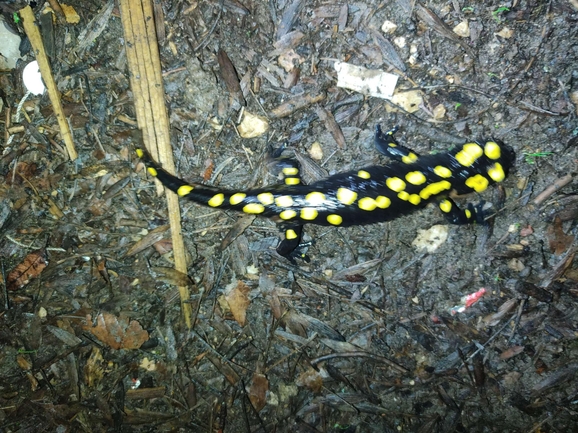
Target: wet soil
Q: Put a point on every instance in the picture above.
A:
(372, 334)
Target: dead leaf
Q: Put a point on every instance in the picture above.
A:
(163, 246)
(116, 332)
(31, 267)
(238, 300)
(94, 368)
(209, 168)
(557, 239)
(311, 379)
(258, 391)
(511, 352)
(151, 238)
(23, 170)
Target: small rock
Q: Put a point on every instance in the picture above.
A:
(252, 125)
(505, 33)
(439, 112)
(289, 59)
(388, 27)
(316, 152)
(400, 42)
(462, 29)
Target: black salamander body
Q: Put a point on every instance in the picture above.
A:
(366, 196)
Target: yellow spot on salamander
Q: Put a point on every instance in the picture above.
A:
(315, 198)
(442, 171)
(492, 150)
(290, 171)
(217, 200)
(292, 181)
(266, 198)
(152, 171)
(469, 153)
(414, 199)
(382, 202)
(445, 206)
(139, 153)
(237, 198)
(468, 213)
(478, 183)
(184, 190)
(284, 201)
(334, 219)
(415, 177)
(290, 234)
(287, 214)
(346, 196)
(496, 172)
(363, 174)
(253, 208)
(403, 196)
(395, 184)
(367, 203)
(434, 189)
(409, 158)
(309, 213)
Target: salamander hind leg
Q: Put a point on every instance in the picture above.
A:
(386, 144)
(291, 247)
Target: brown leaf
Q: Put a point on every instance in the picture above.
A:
(151, 238)
(258, 391)
(557, 239)
(329, 121)
(311, 379)
(116, 332)
(31, 267)
(526, 231)
(511, 352)
(209, 168)
(23, 170)
(231, 79)
(163, 246)
(170, 276)
(94, 370)
(238, 300)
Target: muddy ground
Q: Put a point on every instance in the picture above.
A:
(369, 335)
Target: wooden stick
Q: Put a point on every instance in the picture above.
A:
(147, 86)
(33, 34)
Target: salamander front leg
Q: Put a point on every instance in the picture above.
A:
(386, 144)
(455, 215)
(291, 247)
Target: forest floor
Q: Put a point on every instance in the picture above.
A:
(371, 335)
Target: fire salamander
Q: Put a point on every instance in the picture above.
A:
(365, 196)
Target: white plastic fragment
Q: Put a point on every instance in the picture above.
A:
(369, 82)
(32, 78)
(9, 48)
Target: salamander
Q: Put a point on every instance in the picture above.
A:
(369, 195)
